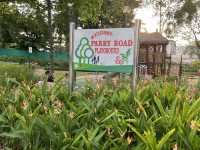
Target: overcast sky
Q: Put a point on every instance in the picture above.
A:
(150, 22)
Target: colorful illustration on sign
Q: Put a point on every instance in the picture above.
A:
(84, 52)
(125, 56)
(95, 60)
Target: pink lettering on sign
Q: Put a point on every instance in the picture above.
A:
(118, 60)
(107, 50)
(100, 33)
(125, 43)
(100, 43)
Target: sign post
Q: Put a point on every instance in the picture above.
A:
(136, 54)
(71, 57)
(30, 51)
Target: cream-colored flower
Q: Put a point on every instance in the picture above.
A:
(175, 147)
(129, 140)
(138, 110)
(30, 114)
(45, 109)
(58, 104)
(194, 125)
(97, 86)
(109, 131)
(57, 111)
(24, 105)
(71, 115)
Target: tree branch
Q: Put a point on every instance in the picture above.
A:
(196, 39)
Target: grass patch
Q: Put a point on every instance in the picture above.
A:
(16, 73)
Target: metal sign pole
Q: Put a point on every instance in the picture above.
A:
(71, 57)
(30, 50)
(136, 54)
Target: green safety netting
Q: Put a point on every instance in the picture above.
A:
(35, 55)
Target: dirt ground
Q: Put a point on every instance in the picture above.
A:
(63, 74)
(81, 77)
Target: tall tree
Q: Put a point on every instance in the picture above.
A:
(166, 10)
(39, 21)
(8, 15)
(118, 13)
(188, 16)
(93, 14)
(22, 23)
(49, 6)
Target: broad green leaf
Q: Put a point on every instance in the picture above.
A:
(164, 139)
(159, 105)
(108, 117)
(194, 110)
(141, 107)
(138, 134)
(98, 137)
(77, 138)
(93, 134)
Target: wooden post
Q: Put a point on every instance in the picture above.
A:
(147, 57)
(164, 58)
(169, 66)
(71, 56)
(180, 68)
(154, 66)
(135, 55)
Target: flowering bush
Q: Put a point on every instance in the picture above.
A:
(160, 116)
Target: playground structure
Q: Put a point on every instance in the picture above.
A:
(153, 58)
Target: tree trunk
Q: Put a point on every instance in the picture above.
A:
(50, 30)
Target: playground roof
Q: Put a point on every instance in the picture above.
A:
(154, 38)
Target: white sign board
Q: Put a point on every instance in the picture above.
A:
(30, 49)
(106, 50)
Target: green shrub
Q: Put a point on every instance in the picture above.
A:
(15, 72)
(58, 65)
(193, 68)
(196, 64)
(160, 116)
(21, 60)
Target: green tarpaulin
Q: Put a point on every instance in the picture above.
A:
(35, 55)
